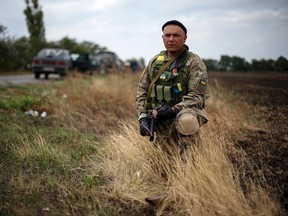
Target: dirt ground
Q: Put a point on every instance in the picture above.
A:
(268, 148)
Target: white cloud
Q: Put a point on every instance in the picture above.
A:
(248, 28)
(104, 4)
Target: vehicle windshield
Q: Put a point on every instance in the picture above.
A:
(52, 53)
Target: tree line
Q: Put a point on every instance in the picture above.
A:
(238, 64)
(17, 53)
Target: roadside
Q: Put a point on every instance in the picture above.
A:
(22, 79)
(49, 165)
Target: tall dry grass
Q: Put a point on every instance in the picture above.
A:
(215, 178)
(94, 105)
(206, 183)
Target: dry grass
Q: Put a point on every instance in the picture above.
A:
(207, 183)
(89, 158)
(98, 106)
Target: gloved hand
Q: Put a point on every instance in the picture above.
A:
(165, 112)
(144, 126)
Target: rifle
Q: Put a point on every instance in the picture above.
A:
(152, 124)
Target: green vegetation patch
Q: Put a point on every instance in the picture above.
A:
(20, 98)
(38, 159)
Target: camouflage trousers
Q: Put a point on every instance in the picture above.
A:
(168, 137)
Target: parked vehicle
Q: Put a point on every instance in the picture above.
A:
(106, 62)
(82, 63)
(52, 61)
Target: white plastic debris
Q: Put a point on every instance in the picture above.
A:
(43, 115)
(32, 113)
(29, 112)
(46, 209)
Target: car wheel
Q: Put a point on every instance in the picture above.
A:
(37, 75)
(46, 75)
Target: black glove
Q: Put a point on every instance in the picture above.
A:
(144, 126)
(165, 112)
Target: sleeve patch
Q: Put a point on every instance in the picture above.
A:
(203, 82)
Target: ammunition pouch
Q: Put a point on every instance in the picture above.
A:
(161, 94)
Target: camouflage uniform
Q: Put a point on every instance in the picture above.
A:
(190, 85)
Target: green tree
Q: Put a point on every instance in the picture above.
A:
(21, 53)
(5, 45)
(2, 30)
(35, 25)
(92, 47)
(225, 63)
(85, 47)
(255, 65)
(211, 64)
(281, 64)
(238, 64)
(13, 53)
(68, 43)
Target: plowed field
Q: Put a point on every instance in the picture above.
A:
(268, 93)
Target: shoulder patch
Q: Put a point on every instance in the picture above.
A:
(203, 81)
(160, 58)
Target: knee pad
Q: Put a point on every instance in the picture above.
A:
(187, 122)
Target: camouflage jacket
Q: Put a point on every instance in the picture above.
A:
(194, 79)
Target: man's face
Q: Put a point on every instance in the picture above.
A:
(173, 38)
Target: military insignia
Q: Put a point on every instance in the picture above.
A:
(163, 76)
(203, 82)
(161, 58)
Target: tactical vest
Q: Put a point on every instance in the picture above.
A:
(172, 84)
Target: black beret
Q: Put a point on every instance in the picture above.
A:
(175, 22)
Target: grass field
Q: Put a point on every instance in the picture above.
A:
(87, 157)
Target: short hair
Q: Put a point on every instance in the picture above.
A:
(175, 22)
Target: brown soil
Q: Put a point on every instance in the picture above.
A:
(268, 148)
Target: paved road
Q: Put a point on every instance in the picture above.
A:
(16, 80)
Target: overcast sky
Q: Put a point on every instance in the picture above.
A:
(252, 29)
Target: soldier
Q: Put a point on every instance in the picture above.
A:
(172, 89)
